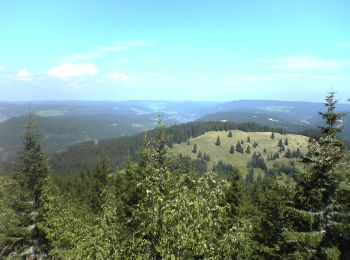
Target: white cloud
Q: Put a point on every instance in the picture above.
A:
(122, 77)
(67, 70)
(116, 46)
(303, 62)
(24, 74)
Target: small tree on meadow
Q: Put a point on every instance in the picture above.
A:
(232, 150)
(248, 149)
(194, 150)
(218, 142)
(229, 134)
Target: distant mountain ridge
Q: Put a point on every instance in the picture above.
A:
(64, 123)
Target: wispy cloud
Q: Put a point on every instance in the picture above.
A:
(303, 62)
(123, 78)
(24, 75)
(67, 70)
(99, 52)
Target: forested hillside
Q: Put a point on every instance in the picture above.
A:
(158, 206)
(83, 156)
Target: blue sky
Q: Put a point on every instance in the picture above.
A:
(174, 50)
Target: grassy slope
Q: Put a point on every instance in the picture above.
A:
(206, 143)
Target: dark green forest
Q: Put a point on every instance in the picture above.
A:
(128, 198)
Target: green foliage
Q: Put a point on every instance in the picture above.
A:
(313, 213)
(164, 206)
(25, 201)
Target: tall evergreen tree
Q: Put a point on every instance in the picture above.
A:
(26, 199)
(314, 212)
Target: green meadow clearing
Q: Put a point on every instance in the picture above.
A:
(266, 146)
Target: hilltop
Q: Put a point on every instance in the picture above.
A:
(265, 145)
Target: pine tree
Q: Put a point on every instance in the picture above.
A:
(26, 199)
(218, 142)
(272, 135)
(248, 139)
(288, 154)
(199, 155)
(286, 142)
(248, 150)
(232, 150)
(229, 134)
(194, 150)
(280, 144)
(314, 202)
(239, 147)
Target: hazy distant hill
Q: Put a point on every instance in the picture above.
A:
(295, 112)
(256, 117)
(63, 123)
(57, 133)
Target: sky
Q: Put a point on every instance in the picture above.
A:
(174, 50)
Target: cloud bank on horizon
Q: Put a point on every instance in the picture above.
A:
(222, 50)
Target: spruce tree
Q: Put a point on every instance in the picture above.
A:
(232, 150)
(313, 212)
(194, 150)
(280, 144)
(272, 135)
(229, 134)
(218, 142)
(288, 154)
(286, 142)
(26, 199)
(239, 147)
(248, 149)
